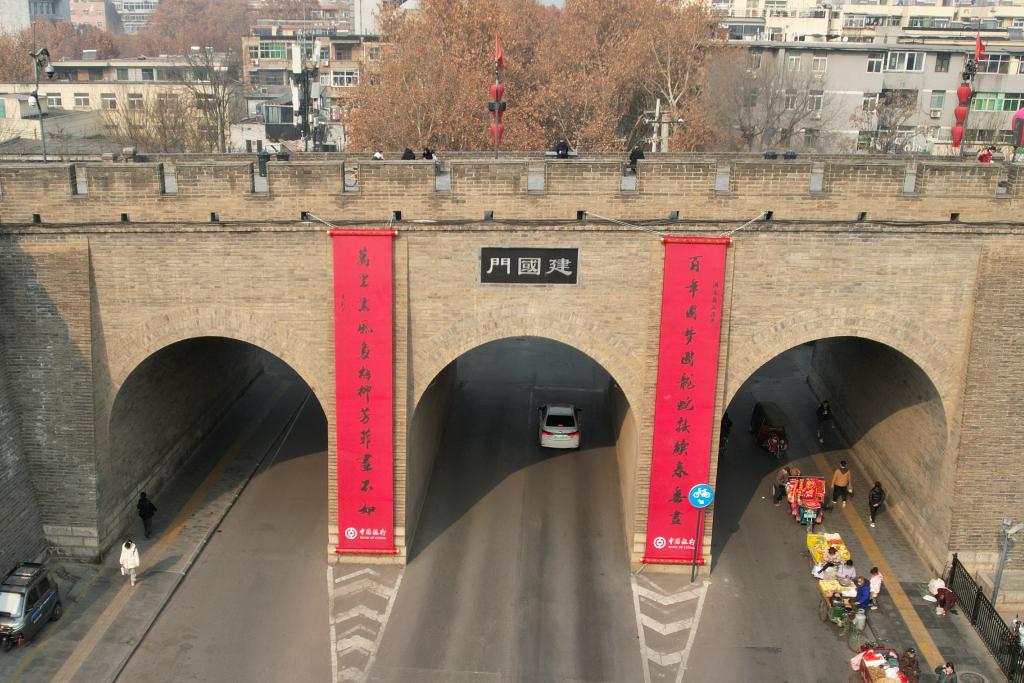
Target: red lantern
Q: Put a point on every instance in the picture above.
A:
(497, 91)
(958, 134)
(963, 93)
(497, 130)
(960, 113)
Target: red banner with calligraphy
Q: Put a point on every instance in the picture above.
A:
(364, 389)
(684, 407)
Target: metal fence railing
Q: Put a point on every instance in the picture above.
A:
(999, 638)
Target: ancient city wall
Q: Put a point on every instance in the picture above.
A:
(725, 188)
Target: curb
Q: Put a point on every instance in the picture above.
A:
(275, 447)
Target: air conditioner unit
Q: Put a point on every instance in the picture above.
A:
(255, 62)
(325, 62)
(935, 113)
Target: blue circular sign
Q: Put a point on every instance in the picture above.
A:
(701, 496)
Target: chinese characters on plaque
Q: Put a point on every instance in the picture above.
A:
(528, 266)
(684, 407)
(364, 389)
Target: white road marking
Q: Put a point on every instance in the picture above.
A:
(640, 629)
(665, 629)
(693, 633)
(358, 637)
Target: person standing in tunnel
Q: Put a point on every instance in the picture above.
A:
(824, 418)
(129, 559)
(842, 482)
(146, 511)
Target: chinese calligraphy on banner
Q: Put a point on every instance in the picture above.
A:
(364, 389)
(684, 407)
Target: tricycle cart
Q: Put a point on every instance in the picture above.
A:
(806, 496)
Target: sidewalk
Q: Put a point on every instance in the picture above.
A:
(104, 617)
(950, 638)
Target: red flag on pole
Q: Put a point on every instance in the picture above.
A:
(979, 48)
(499, 54)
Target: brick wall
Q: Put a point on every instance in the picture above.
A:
(225, 187)
(45, 331)
(892, 416)
(990, 475)
(21, 530)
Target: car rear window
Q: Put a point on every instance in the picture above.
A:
(560, 421)
(10, 604)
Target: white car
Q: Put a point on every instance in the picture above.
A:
(559, 426)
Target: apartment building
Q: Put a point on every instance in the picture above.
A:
(134, 14)
(862, 20)
(18, 14)
(88, 84)
(97, 13)
(895, 95)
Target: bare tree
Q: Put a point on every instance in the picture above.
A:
(883, 122)
(167, 122)
(760, 101)
(213, 81)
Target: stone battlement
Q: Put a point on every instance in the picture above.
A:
(730, 187)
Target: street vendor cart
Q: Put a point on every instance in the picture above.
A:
(879, 664)
(806, 496)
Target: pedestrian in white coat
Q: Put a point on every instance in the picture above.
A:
(129, 559)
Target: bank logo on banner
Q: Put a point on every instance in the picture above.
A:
(364, 389)
(684, 408)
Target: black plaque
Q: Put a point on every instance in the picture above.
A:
(526, 266)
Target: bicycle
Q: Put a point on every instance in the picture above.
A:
(852, 623)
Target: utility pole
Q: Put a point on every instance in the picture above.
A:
(41, 58)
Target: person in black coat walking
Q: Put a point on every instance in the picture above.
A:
(876, 496)
(146, 511)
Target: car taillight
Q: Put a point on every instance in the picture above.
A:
(573, 434)
(545, 433)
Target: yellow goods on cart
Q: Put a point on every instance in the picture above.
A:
(818, 545)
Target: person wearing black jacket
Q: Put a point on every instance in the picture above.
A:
(408, 155)
(876, 496)
(636, 155)
(146, 511)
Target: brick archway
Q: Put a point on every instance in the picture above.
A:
(750, 353)
(432, 356)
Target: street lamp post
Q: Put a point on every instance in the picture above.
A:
(41, 58)
(1009, 529)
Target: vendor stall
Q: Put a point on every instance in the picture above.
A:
(818, 545)
(878, 664)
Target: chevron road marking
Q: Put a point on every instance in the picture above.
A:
(693, 633)
(663, 599)
(365, 634)
(665, 629)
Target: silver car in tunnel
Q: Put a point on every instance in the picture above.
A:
(559, 426)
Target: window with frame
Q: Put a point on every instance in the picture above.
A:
(938, 99)
(994, 64)
(53, 99)
(345, 79)
(254, 52)
(325, 54)
(789, 101)
(1020, 65)
(108, 100)
(854, 21)
(875, 61)
(273, 49)
(122, 74)
(343, 52)
(135, 100)
(167, 99)
(754, 61)
(942, 62)
(147, 74)
(95, 74)
(373, 53)
(325, 79)
(811, 137)
(869, 101)
(905, 61)
(997, 101)
(81, 100)
(816, 100)
(794, 63)
(819, 63)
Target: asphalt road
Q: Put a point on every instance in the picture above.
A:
(254, 605)
(760, 620)
(519, 569)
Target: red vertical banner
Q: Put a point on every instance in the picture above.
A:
(684, 406)
(364, 389)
